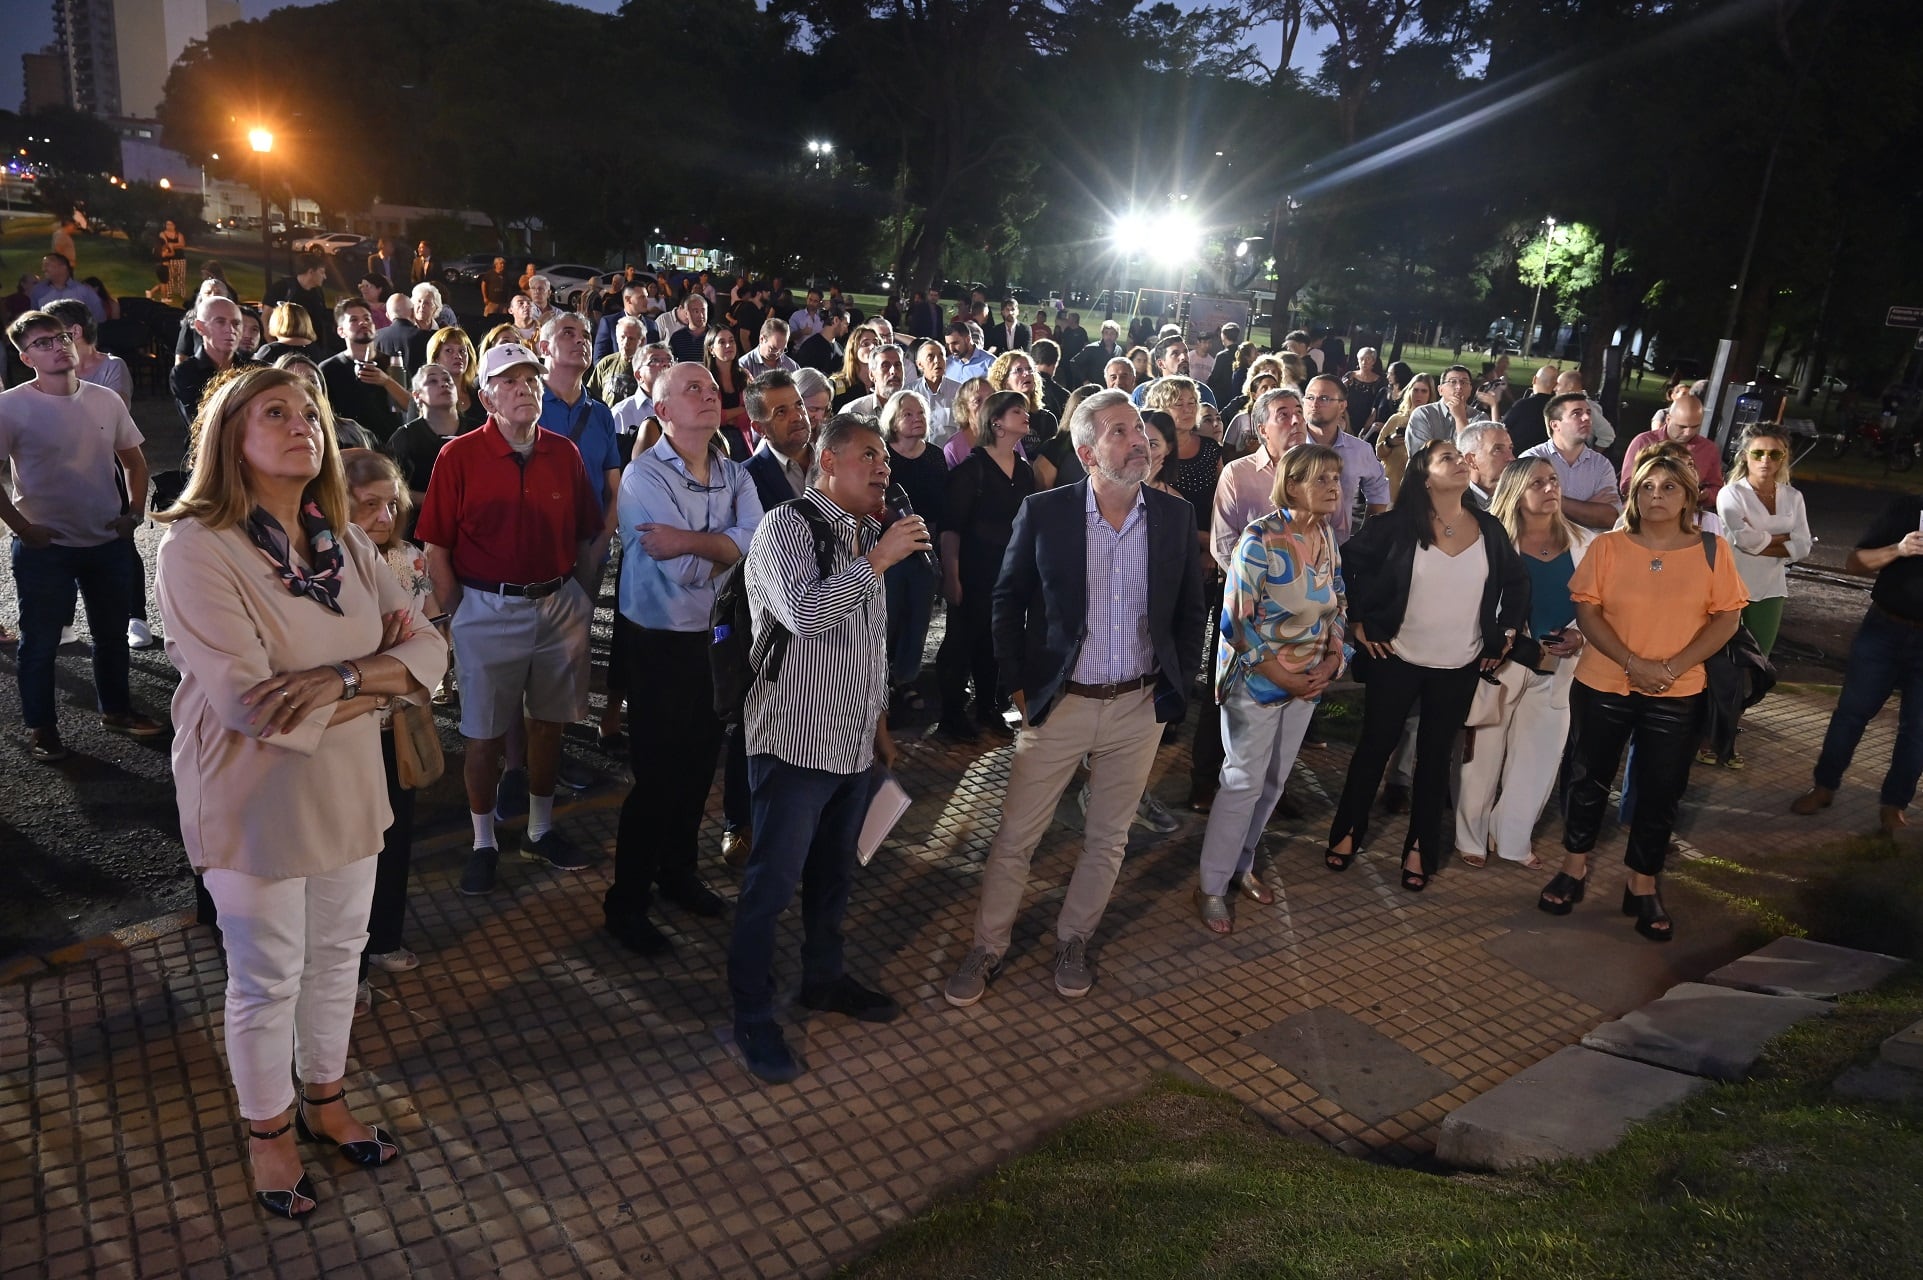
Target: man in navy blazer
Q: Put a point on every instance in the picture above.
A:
(1011, 334)
(1094, 672)
(634, 302)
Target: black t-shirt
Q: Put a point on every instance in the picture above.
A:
(349, 397)
(1527, 426)
(746, 318)
(925, 479)
(817, 352)
(979, 504)
(288, 289)
(415, 445)
(1899, 584)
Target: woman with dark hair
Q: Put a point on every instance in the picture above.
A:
(290, 634)
(1429, 612)
(719, 353)
(1653, 598)
(978, 519)
(1399, 373)
(1057, 463)
(349, 433)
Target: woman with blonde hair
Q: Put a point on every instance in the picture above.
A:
(1015, 371)
(1508, 774)
(1284, 616)
(852, 383)
(969, 400)
(454, 351)
(289, 634)
(1392, 444)
(289, 328)
(1652, 602)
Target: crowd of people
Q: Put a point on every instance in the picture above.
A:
(397, 515)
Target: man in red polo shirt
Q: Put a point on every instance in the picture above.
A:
(514, 539)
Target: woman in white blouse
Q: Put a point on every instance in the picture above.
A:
(288, 632)
(1765, 522)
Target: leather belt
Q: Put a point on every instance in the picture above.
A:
(1108, 692)
(526, 590)
(1896, 618)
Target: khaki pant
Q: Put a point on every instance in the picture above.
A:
(1119, 737)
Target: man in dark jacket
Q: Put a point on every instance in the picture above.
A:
(1094, 673)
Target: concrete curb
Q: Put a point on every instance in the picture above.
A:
(37, 964)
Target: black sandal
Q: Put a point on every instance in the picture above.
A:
(281, 1203)
(1339, 861)
(1651, 920)
(1563, 886)
(1414, 881)
(369, 1152)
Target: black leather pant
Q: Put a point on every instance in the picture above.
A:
(1442, 695)
(1665, 732)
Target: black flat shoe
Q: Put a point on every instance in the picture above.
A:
(1566, 887)
(1651, 920)
(286, 1204)
(369, 1152)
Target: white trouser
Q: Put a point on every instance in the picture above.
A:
(1517, 759)
(1259, 746)
(293, 962)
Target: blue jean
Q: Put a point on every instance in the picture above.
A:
(45, 579)
(1886, 658)
(911, 603)
(806, 823)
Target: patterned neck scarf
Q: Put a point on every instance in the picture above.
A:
(324, 582)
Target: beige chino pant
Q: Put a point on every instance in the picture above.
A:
(1119, 737)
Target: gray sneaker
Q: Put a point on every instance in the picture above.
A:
(1154, 815)
(1073, 977)
(970, 979)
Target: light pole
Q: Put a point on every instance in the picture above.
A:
(263, 142)
(1542, 274)
(820, 150)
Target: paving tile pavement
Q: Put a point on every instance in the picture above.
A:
(566, 1110)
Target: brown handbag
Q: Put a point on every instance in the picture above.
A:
(418, 759)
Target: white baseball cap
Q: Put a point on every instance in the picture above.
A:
(508, 355)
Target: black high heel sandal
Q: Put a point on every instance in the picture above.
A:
(1566, 887)
(1651, 920)
(1414, 881)
(281, 1203)
(1340, 861)
(369, 1153)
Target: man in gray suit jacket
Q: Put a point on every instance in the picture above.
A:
(1095, 673)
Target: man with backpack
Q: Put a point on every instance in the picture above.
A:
(686, 515)
(816, 718)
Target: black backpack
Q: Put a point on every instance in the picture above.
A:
(731, 653)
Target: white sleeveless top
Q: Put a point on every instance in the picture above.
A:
(1441, 627)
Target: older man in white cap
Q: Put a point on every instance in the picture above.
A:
(514, 539)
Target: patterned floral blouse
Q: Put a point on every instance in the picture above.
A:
(1285, 600)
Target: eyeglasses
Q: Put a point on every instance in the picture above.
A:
(1772, 455)
(51, 341)
(1323, 399)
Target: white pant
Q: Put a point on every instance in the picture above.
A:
(1519, 759)
(1259, 746)
(293, 962)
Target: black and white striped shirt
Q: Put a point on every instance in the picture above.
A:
(833, 686)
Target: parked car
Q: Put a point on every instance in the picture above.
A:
(469, 267)
(328, 242)
(569, 279)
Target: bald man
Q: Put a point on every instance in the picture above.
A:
(1684, 425)
(1524, 421)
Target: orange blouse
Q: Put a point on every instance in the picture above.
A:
(1655, 612)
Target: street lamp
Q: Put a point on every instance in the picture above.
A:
(1542, 273)
(263, 142)
(819, 150)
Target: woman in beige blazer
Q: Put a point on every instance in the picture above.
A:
(288, 633)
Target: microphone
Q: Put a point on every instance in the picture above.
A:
(899, 506)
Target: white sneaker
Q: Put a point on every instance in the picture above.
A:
(139, 635)
(69, 636)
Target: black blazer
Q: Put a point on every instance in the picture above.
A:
(1378, 561)
(996, 337)
(1041, 598)
(771, 482)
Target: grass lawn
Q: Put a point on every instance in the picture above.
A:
(1772, 1177)
(125, 267)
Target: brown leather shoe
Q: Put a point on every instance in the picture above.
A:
(131, 723)
(44, 745)
(1892, 819)
(736, 846)
(1812, 800)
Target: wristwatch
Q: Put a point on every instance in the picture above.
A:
(350, 679)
